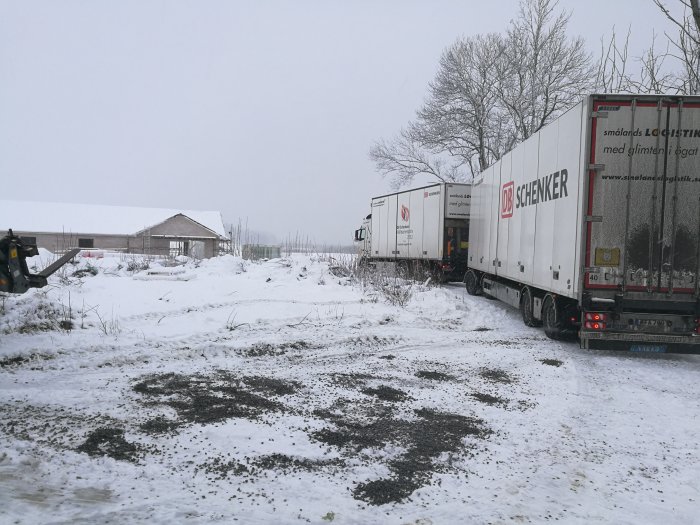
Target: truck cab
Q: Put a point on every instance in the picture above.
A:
(363, 238)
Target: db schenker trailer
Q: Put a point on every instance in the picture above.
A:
(592, 225)
(424, 227)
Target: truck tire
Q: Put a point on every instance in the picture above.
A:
(527, 309)
(471, 281)
(552, 319)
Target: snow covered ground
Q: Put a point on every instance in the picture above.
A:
(286, 392)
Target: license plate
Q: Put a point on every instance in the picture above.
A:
(651, 322)
(657, 349)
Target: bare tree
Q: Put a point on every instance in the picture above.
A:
(462, 116)
(612, 75)
(654, 76)
(490, 92)
(686, 44)
(691, 28)
(546, 71)
(674, 69)
(689, 54)
(459, 130)
(404, 157)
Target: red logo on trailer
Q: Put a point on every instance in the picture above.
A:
(405, 214)
(507, 191)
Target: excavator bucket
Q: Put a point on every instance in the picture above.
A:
(14, 273)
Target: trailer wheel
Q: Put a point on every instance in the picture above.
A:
(526, 309)
(471, 281)
(552, 318)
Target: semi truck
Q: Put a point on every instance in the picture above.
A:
(425, 227)
(591, 227)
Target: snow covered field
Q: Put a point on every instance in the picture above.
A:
(286, 392)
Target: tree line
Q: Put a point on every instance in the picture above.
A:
(495, 90)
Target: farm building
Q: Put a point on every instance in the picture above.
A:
(154, 231)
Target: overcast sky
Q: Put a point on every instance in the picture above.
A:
(261, 109)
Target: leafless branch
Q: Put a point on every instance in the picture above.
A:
(492, 91)
(691, 31)
(403, 158)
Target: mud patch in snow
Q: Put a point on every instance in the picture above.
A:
(424, 441)
(159, 425)
(58, 427)
(551, 362)
(222, 468)
(372, 341)
(270, 350)
(434, 376)
(287, 464)
(387, 393)
(490, 400)
(206, 399)
(351, 380)
(496, 375)
(110, 442)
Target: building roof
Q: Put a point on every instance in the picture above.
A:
(50, 217)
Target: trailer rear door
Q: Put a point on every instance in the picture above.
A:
(380, 227)
(643, 217)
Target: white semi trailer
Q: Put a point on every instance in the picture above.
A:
(426, 227)
(592, 225)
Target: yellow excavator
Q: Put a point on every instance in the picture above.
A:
(14, 273)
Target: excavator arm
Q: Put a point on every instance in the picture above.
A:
(14, 273)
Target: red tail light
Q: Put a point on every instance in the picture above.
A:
(595, 320)
(596, 316)
(697, 325)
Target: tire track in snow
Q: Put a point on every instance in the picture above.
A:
(216, 306)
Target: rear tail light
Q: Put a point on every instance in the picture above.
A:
(595, 320)
(594, 316)
(697, 325)
(594, 325)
